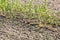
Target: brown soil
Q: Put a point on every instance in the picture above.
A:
(22, 29)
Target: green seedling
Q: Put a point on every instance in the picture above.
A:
(41, 12)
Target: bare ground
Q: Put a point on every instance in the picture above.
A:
(19, 29)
